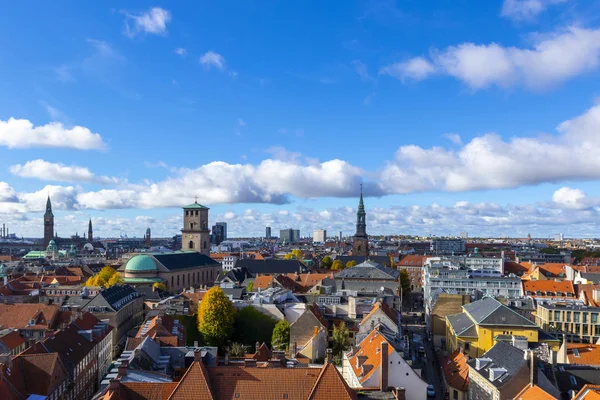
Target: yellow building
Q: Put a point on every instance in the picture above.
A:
(487, 321)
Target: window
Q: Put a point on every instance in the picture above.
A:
(568, 316)
(177, 280)
(191, 244)
(585, 317)
(191, 225)
(186, 213)
(204, 245)
(576, 317)
(183, 279)
(594, 318)
(557, 315)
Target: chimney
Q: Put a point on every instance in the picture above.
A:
(249, 363)
(329, 356)
(561, 357)
(122, 369)
(293, 351)
(531, 367)
(197, 355)
(315, 330)
(257, 346)
(114, 384)
(383, 373)
(195, 343)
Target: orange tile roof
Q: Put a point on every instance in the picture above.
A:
(12, 340)
(533, 392)
(412, 261)
(193, 384)
(37, 373)
(19, 315)
(262, 282)
(456, 370)
(588, 392)
(366, 358)
(548, 285)
(587, 291)
(330, 385)
(309, 280)
(147, 390)
(589, 354)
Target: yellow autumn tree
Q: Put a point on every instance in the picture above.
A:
(216, 317)
(337, 265)
(107, 277)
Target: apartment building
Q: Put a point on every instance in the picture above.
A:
(580, 324)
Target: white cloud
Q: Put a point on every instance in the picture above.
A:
(552, 59)
(212, 59)
(241, 122)
(520, 10)
(180, 51)
(417, 68)
(454, 138)
(21, 133)
(490, 162)
(567, 197)
(362, 70)
(48, 171)
(153, 21)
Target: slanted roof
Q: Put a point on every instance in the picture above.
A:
(456, 371)
(178, 260)
(588, 392)
(534, 392)
(270, 266)
(583, 353)
(331, 385)
(386, 309)
(193, 385)
(548, 285)
(367, 357)
(462, 324)
(37, 373)
(195, 206)
(489, 311)
(502, 355)
(369, 270)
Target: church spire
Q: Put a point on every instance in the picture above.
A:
(90, 231)
(360, 245)
(48, 208)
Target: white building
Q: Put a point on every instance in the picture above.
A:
(376, 362)
(228, 262)
(319, 236)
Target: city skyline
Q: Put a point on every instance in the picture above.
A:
(144, 107)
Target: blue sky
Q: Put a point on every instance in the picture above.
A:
(456, 115)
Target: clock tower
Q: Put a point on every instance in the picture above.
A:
(195, 235)
(360, 244)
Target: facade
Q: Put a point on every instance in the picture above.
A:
(195, 235)
(485, 322)
(461, 281)
(84, 348)
(122, 306)
(48, 223)
(360, 242)
(219, 233)
(289, 235)
(369, 278)
(579, 324)
(177, 270)
(381, 314)
(376, 362)
(268, 232)
(319, 236)
(447, 246)
(51, 381)
(499, 374)
(228, 262)
(445, 304)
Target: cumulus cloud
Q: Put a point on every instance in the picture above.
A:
(362, 70)
(48, 171)
(520, 10)
(417, 69)
(21, 133)
(153, 21)
(211, 59)
(491, 162)
(551, 59)
(180, 51)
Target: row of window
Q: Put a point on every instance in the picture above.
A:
(193, 278)
(576, 316)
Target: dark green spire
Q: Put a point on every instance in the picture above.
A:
(48, 208)
(361, 224)
(361, 204)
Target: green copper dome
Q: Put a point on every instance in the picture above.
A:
(140, 263)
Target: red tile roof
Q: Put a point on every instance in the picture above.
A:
(534, 392)
(548, 285)
(36, 373)
(367, 358)
(19, 315)
(456, 371)
(412, 261)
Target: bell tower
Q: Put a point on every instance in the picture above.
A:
(48, 223)
(360, 244)
(195, 235)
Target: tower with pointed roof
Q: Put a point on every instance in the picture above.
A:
(360, 245)
(195, 235)
(48, 223)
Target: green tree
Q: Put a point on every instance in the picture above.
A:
(337, 265)
(340, 339)
(252, 326)
(350, 264)
(249, 286)
(550, 250)
(405, 283)
(281, 335)
(107, 277)
(215, 317)
(236, 349)
(326, 262)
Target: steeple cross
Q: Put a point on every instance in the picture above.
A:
(195, 199)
